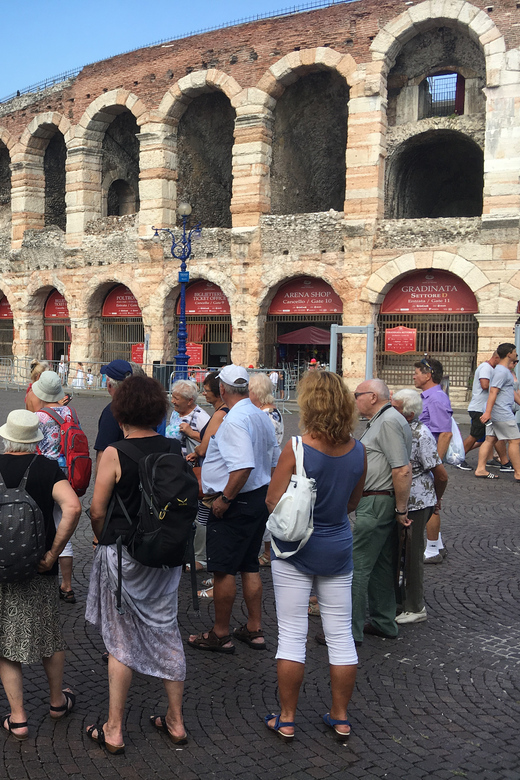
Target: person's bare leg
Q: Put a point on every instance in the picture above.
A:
(174, 719)
(290, 678)
(484, 454)
(501, 448)
(224, 592)
(54, 666)
(469, 443)
(433, 527)
(514, 456)
(66, 572)
(342, 681)
(12, 680)
(119, 679)
(252, 589)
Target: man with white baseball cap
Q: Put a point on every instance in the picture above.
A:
(236, 473)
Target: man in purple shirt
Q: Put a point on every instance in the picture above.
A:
(436, 415)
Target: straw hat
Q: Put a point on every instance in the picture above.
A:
(21, 426)
(48, 387)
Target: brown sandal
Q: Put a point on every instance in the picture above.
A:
(243, 634)
(210, 641)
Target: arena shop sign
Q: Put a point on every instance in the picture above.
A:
(430, 292)
(306, 296)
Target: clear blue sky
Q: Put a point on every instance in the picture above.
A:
(42, 38)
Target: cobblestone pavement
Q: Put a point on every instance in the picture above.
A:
(441, 701)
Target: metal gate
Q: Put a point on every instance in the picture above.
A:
(213, 332)
(450, 338)
(118, 335)
(6, 338)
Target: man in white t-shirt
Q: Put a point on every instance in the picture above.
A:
(499, 416)
(274, 377)
(477, 406)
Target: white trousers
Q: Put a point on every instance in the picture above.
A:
(292, 589)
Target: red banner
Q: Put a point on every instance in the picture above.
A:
(306, 296)
(400, 340)
(5, 309)
(137, 353)
(120, 302)
(430, 292)
(56, 306)
(204, 298)
(195, 351)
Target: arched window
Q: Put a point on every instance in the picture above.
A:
(309, 145)
(204, 152)
(121, 199)
(54, 170)
(435, 174)
(121, 164)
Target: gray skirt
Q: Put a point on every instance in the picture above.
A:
(30, 626)
(146, 638)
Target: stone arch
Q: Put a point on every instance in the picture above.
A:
(7, 139)
(38, 133)
(98, 289)
(101, 112)
(180, 95)
(382, 280)
(476, 22)
(290, 68)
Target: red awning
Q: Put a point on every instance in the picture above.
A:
(308, 335)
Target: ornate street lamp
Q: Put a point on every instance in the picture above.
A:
(181, 250)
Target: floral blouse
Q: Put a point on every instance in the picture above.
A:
(424, 458)
(50, 444)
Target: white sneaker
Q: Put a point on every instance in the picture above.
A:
(411, 617)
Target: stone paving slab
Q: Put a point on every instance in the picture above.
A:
(441, 701)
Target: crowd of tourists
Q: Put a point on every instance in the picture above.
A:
(168, 479)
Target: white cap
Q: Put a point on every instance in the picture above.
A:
(236, 376)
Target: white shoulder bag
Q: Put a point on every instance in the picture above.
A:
(292, 518)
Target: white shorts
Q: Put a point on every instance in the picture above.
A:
(504, 430)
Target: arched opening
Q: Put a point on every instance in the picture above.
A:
(439, 72)
(6, 328)
(54, 169)
(439, 173)
(297, 328)
(121, 199)
(122, 331)
(56, 327)
(309, 145)
(427, 312)
(5, 187)
(120, 150)
(208, 322)
(204, 152)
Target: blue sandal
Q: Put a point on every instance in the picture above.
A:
(278, 724)
(332, 723)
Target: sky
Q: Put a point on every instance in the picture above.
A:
(43, 38)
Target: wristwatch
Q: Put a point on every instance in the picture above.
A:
(225, 499)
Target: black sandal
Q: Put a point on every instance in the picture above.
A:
(65, 709)
(67, 596)
(10, 726)
(162, 726)
(115, 750)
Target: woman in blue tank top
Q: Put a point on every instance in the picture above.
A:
(338, 464)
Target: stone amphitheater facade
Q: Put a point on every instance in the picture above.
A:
(300, 141)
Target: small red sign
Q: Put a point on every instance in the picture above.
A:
(306, 295)
(195, 351)
(204, 298)
(400, 340)
(120, 302)
(430, 292)
(56, 306)
(5, 309)
(137, 353)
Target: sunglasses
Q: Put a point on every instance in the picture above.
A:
(365, 392)
(425, 363)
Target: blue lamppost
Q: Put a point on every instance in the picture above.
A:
(181, 250)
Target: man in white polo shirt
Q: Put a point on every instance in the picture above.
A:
(237, 471)
(499, 416)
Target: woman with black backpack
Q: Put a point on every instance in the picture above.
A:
(141, 632)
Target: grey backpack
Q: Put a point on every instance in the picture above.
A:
(22, 532)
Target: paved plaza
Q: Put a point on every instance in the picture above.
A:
(441, 701)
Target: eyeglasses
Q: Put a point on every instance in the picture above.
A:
(365, 392)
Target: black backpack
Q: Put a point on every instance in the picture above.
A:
(22, 532)
(159, 535)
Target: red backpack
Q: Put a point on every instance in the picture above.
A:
(75, 449)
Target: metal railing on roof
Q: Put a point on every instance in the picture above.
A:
(70, 74)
